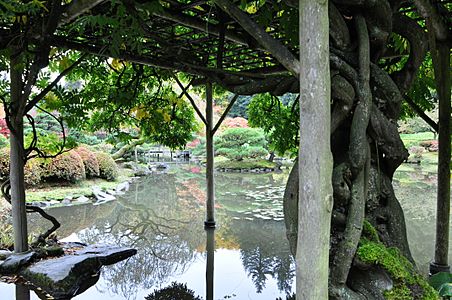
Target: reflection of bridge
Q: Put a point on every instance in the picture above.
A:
(158, 154)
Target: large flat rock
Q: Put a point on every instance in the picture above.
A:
(69, 275)
(15, 262)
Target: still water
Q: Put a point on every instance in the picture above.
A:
(415, 187)
(162, 216)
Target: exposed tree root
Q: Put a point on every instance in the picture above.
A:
(41, 239)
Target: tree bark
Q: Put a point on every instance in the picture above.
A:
(17, 159)
(315, 159)
(210, 213)
(359, 156)
(121, 152)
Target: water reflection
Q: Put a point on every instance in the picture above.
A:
(22, 292)
(210, 249)
(163, 218)
(415, 187)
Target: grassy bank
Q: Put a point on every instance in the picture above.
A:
(48, 192)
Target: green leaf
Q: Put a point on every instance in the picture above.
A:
(445, 290)
(437, 280)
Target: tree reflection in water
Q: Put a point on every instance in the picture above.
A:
(265, 252)
(166, 232)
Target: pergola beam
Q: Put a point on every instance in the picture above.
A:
(209, 28)
(278, 50)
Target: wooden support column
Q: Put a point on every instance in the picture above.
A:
(441, 63)
(210, 247)
(210, 132)
(210, 210)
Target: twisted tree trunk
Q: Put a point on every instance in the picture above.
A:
(366, 147)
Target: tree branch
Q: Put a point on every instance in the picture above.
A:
(77, 8)
(420, 112)
(5, 190)
(184, 91)
(428, 11)
(409, 29)
(211, 28)
(359, 155)
(224, 115)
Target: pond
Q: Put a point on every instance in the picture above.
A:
(162, 216)
(415, 186)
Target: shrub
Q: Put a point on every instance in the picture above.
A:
(237, 122)
(4, 162)
(67, 166)
(200, 148)
(89, 161)
(33, 169)
(33, 172)
(83, 138)
(4, 128)
(107, 166)
(241, 143)
(416, 151)
(3, 141)
(102, 147)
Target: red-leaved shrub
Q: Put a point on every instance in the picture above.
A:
(67, 166)
(4, 128)
(90, 161)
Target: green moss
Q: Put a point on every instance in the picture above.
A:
(406, 281)
(40, 280)
(389, 258)
(399, 292)
(429, 292)
(370, 232)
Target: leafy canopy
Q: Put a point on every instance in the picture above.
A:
(278, 117)
(126, 99)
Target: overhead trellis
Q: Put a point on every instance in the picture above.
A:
(197, 38)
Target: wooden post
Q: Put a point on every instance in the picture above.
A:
(441, 63)
(210, 209)
(210, 247)
(19, 213)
